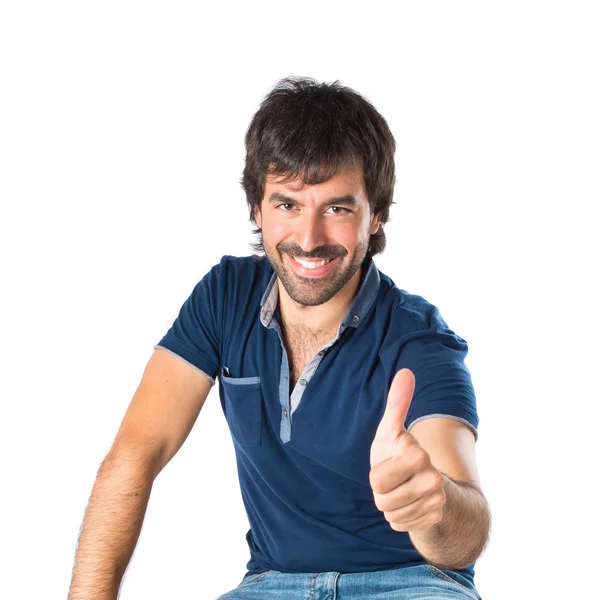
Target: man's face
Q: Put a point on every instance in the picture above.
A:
(316, 236)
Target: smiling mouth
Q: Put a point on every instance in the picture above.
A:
(312, 264)
(312, 269)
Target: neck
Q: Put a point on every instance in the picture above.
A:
(323, 317)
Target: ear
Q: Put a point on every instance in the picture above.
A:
(258, 216)
(375, 223)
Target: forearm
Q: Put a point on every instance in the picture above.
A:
(111, 527)
(460, 537)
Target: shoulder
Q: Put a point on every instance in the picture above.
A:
(240, 281)
(242, 269)
(407, 312)
(233, 279)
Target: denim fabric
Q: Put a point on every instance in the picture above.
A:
(422, 582)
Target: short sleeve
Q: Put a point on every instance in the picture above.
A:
(443, 384)
(194, 335)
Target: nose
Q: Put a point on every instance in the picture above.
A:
(311, 233)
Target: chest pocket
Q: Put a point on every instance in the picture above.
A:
(243, 408)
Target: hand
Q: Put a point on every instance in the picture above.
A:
(407, 488)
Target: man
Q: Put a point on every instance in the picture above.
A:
(352, 413)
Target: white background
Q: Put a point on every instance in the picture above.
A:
(121, 149)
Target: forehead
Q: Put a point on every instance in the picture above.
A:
(350, 177)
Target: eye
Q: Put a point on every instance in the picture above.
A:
(340, 209)
(285, 204)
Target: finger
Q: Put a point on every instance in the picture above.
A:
(396, 470)
(421, 524)
(399, 398)
(417, 509)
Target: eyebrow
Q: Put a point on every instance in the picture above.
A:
(347, 200)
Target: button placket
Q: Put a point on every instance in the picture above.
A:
(284, 390)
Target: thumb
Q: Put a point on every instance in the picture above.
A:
(399, 398)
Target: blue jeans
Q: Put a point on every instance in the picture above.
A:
(422, 582)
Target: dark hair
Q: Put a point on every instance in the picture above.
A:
(308, 129)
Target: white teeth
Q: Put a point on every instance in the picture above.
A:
(312, 264)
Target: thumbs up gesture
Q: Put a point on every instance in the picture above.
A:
(407, 488)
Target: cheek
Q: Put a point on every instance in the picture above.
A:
(353, 234)
(279, 229)
(275, 231)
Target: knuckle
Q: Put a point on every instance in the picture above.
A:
(443, 496)
(428, 488)
(440, 500)
(418, 461)
(423, 459)
(436, 480)
(382, 503)
(375, 481)
(437, 502)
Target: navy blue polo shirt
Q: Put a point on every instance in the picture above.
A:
(303, 455)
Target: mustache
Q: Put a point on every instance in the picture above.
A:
(320, 252)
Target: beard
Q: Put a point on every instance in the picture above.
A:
(312, 291)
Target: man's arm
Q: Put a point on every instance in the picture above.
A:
(461, 536)
(159, 418)
(111, 527)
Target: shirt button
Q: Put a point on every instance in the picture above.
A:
(355, 318)
(302, 382)
(284, 412)
(322, 352)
